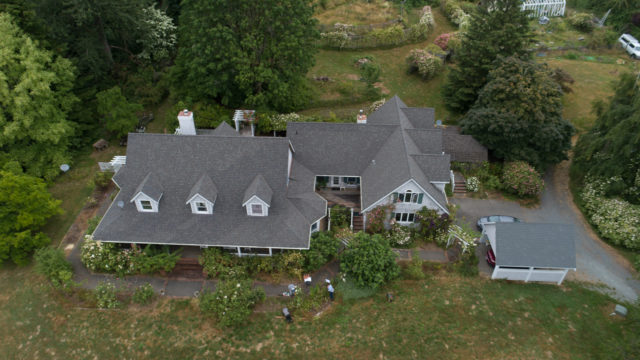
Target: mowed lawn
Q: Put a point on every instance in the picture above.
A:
(444, 317)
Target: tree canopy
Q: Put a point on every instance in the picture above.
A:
(518, 114)
(119, 115)
(36, 97)
(497, 28)
(369, 260)
(245, 52)
(26, 206)
(611, 149)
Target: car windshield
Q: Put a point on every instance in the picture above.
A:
(506, 219)
(494, 218)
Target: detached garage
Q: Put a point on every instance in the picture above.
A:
(532, 252)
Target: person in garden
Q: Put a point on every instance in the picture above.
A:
(287, 315)
(331, 291)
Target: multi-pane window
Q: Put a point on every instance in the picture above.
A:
(405, 217)
(146, 205)
(408, 197)
(201, 206)
(256, 209)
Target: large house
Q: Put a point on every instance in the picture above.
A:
(258, 195)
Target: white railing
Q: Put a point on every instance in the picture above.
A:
(548, 8)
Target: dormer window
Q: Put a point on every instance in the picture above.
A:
(201, 207)
(256, 209)
(146, 205)
(202, 196)
(148, 194)
(257, 197)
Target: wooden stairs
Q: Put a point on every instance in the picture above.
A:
(460, 184)
(358, 223)
(188, 268)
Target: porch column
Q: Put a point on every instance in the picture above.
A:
(329, 221)
(239, 252)
(563, 275)
(253, 129)
(270, 253)
(529, 274)
(237, 125)
(351, 225)
(364, 221)
(495, 272)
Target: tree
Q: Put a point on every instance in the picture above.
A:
(497, 28)
(245, 52)
(35, 94)
(323, 248)
(119, 115)
(610, 149)
(369, 260)
(26, 206)
(518, 115)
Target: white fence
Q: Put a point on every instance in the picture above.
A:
(547, 8)
(530, 274)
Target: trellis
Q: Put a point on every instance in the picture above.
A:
(547, 8)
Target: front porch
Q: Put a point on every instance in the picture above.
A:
(349, 198)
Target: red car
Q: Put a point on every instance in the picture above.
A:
(490, 257)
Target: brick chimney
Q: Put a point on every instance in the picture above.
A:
(187, 126)
(362, 118)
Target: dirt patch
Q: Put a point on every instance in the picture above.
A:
(383, 89)
(352, 77)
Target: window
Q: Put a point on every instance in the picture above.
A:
(351, 180)
(314, 227)
(201, 207)
(146, 205)
(408, 197)
(256, 209)
(336, 180)
(405, 217)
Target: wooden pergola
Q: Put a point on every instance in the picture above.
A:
(549, 8)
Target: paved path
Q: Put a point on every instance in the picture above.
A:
(596, 261)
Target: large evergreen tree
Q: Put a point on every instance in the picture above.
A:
(245, 52)
(497, 28)
(35, 98)
(518, 114)
(611, 149)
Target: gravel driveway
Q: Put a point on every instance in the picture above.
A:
(596, 261)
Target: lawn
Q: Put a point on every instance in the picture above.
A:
(329, 12)
(444, 317)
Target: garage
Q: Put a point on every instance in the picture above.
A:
(532, 251)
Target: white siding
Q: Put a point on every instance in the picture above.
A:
(408, 207)
(530, 274)
(143, 197)
(256, 201)
(198, 198)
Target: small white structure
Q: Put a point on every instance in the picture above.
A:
(240, 116)
(549, 8)
(532, 252)
(114, 165)
(187, 126)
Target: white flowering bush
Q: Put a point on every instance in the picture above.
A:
(424, 63)
(106, 257)
(473, 184)
(376, 105)
(615, 219)
(425, 25)
(232, 302)
(399, 235)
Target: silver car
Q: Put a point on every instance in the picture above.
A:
(495, 219)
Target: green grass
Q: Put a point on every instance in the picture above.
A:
(356, 12)
(445, 317)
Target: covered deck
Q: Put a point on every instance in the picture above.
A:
(349, 198)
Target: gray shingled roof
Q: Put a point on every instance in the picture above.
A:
(149, 186)
(429, 141)
(435, 167)
(224, 129)
(420, 118)
(204, 187)
(259, 188)
(232, 163)
(463, 148)
(535, 245)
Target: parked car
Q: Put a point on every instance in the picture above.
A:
(495, 219)
(490, 257)
(630, 44)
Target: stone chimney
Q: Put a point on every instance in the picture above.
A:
(187, 126)
(362, 118)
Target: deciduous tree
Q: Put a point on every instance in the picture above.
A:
(245, 52)
(119, 114)
(369, 260)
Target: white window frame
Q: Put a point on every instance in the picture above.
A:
(142, 197)
(195, 200)
(254, 207)
(409, 217)
(410, 195)
(256, 201)
(315, 227)
(146, 205)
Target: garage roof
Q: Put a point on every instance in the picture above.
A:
(535, 245)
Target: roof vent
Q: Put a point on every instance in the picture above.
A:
(438, 123)
(120, 204)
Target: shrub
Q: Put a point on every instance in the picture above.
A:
(443, 41)
(340, 216)
(392, 35)
(323, 248)
(424, 63)
(232, 302)
(377, 218)
(376, 105)
(601, 37)
(306, 302)
(616, 220)
(425, 25)
(521, 179)
(432, 226)
(582, 22)
(153, 259)
(370, 72)
(52, 263)
(217, 263)
(435, 50)
(369, 260)
(448, 190)
(93, 223)
(292, 263)
(399, 236)
(414, 268)
(144, 294)
(105, 294)
(102, 179)
(467, 265)
(276, 122)
(473, 184)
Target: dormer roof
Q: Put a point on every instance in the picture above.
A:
(204, 187)
(224, 129)
(259, 188)
(149, 186)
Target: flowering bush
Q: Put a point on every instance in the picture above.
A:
(425, 25)
(582, 22)
(105, 294)
(442, 41)
(376, 105)
(399, 235)
(454, 12)
(433, 226)
(424, 63)
(521, 179)
(473, 184)
(615, 219)
(232, 302)
(377, 218)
